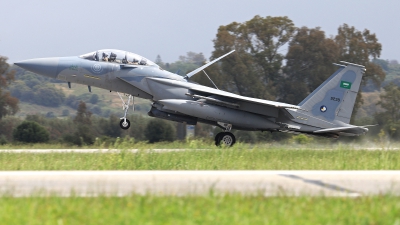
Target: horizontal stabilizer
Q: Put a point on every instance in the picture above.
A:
(206, 65)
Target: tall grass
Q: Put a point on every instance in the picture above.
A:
(131, 143)
(224, 209)
(272, 158)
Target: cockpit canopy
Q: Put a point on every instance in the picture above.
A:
(117, 56)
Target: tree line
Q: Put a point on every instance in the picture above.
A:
(259, 67)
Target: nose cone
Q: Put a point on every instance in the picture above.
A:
(44, 66)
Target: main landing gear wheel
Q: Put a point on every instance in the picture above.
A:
(125, 124)
(225, 138)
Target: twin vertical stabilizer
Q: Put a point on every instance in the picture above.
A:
(334, 99)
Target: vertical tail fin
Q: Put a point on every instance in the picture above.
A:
(334, 99)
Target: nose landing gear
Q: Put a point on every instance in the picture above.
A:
(225, 138)
(125, 123)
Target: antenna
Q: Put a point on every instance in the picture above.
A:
(206, 65)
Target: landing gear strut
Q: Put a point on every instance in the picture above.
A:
(225, 138)
(125, 123)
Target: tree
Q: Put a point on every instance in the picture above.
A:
(8, 104)
(83, 133)
(159, 61)
(8, 124)
(193, 58)
(360, 48)
(83, 116)
(309, 64)
(110, 127)
(390, 118)
(94, 99)
(21, 91)
(254, 68)
(185, 64)
(30, 132)
(384, 64)
(159, 130)
(49, 96)
(72, 101)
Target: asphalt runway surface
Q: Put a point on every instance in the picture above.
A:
(178, 183)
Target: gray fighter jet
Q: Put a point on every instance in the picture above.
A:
(325, 112)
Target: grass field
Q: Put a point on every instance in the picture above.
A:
(229, 209)
(210, 209)
(272, 158)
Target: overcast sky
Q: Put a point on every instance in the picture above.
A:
(34, 29)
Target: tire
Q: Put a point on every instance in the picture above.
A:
(217, 138)
(125, 126)
(225, 138)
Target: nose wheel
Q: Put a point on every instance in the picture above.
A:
(125, 123)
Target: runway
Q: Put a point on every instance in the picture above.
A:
(89, 151)
(178, 183)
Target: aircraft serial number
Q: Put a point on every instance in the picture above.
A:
(73, 67)
(335, 99)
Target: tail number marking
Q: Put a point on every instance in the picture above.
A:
(335, 99)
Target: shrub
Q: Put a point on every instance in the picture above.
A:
(302, 139)
(30, 132)
(159, 130)
(65, 112)
(49, 96)
(94, 99)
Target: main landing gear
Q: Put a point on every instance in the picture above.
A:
(125, 123)
(225, 138)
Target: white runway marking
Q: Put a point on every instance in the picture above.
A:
(268, 183)
(91, 151)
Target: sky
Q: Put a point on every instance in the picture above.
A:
(45, 28)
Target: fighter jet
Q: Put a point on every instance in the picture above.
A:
(325, 112)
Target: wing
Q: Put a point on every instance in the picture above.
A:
(227, 99)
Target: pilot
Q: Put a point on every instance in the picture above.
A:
(112, 58)
(143, 62)
(125, 60)
(135, 61)
(96, 56)
(105, 57)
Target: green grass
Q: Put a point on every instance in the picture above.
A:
(122, 143)
(227, 209)
(273, 158)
